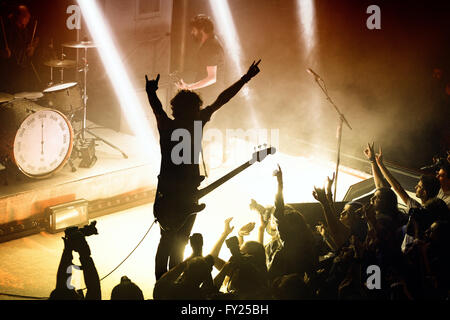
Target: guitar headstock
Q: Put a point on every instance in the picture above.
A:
(262, 153)
(175, 76)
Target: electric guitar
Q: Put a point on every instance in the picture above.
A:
(171, 209)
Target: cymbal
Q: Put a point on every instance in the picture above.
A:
(61, 63)
(28, 95)
(79, 45)
(5, 97)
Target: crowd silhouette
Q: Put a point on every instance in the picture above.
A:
(327, 261)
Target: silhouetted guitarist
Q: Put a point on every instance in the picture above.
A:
(178, 182)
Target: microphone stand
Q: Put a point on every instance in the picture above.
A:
(342, 119)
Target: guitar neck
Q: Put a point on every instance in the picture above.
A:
(203, 192)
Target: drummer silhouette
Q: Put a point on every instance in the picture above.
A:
(17, 48)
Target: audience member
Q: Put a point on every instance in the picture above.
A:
(126, 290)
(298, 253)
(444, 179)
(75, 240)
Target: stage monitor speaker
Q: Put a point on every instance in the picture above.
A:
(312, 211)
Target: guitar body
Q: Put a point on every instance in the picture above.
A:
(177, 200)
(175, 203)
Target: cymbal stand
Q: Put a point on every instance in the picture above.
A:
(51, 78)
(61, 70)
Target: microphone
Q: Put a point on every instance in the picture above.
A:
(310, 71)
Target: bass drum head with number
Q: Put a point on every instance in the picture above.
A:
(36, 139)
(65, 97)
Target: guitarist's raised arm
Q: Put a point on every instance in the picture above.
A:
(151, 86)
(231, 91)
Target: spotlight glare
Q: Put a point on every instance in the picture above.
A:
(306, 14)
(128, 99)
(226, 26)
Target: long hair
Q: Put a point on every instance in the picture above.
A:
(293, 227)
(186, 104)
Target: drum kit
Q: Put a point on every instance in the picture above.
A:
(37, 133)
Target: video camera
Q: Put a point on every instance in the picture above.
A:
(86, 231)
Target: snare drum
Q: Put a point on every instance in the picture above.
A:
(65, 97)
(37, 140)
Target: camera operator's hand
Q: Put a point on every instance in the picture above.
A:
(67, 245)
(80, 244)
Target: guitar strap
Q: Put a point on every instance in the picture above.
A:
(203, 162)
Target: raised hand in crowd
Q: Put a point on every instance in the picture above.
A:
(369, 152)
(329, 185)
(196, 242)
(377, 175)
(245, 231)
(219, 263)
(320, 195)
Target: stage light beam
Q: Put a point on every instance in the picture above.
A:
(227, 28)
(126, 94)
(306, 15)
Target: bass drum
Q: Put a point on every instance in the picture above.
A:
(35, 139)
(65, 97)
